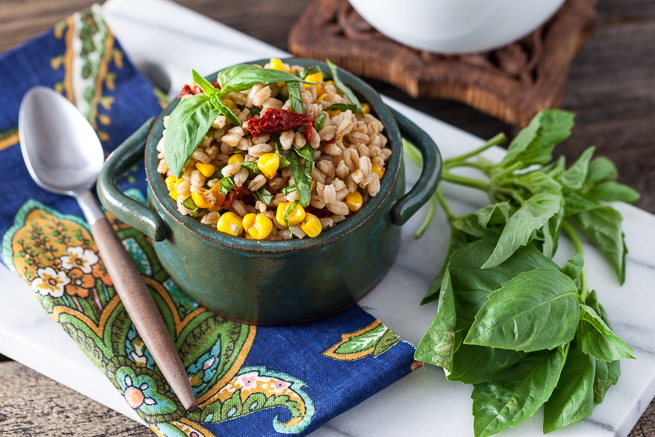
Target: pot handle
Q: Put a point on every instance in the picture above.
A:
(406, 206)
(126, 209)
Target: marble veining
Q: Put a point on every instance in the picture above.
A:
(424, 403)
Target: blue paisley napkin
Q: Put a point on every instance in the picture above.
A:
(250, 381)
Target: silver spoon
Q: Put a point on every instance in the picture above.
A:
(63, 155)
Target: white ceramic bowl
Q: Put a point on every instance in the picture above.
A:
(456, 26)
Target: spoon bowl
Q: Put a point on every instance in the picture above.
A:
(63, 154)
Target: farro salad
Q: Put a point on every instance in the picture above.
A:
(271, 152)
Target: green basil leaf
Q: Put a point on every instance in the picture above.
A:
(601, 169)
(612, 191)
(517, 393)
(187, 125)
(555, 168)
(290, 189)
(263, 195)
(342, 107)
(438, 344)
(320, 121)
(607, 375)
(573, 267)
(537, 182)
(301, 176)
(477, 364)
(576, 202)
(519, 230)
(574, 178)
(244, 76)
(479, 223)
(226, 183)
(457, 240)
(603, 227)
(535, 310)
(576, 175)
(535, 143)
(287, 213)
(189, 204)
(470, 287)
(251, 166)
(350, 95)
(598, 340)
(220, 106)
(284, 162)
(296, 97)
(573, 398)
(203, 83)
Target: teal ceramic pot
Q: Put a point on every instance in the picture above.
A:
(275, 282)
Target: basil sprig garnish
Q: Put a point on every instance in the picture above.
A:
(342, 86)
(193, 116)
(295, 97)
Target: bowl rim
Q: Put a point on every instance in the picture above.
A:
(394, 166)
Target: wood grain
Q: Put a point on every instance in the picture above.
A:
(33, 405)
(610, 87)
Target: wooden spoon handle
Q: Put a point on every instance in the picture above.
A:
(143, 311)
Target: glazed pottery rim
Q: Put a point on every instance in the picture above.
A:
(340, 230)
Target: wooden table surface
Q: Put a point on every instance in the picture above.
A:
(611, 88)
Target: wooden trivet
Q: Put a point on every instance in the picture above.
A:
(512, 83)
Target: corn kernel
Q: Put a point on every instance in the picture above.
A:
(315, 77)
(206, 169)
(354, 201)
(277, 64)
(200, 200)
(257, 226)
(170, 183)
(366, 108)
(377, 170)
(334, 112)
(237, 157)
(230, 223)
(311, 225)
(268, 163)
(312, 186)
(294, 216)
(322, 97)
(174, 194)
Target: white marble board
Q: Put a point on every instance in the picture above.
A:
(166, 41)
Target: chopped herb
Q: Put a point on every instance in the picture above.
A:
(343, 87)
(342, 107)
(254, 110)
(320, 121)
(290, 189)
(263, 195)
(302, 172)
(284, 162)
(189, 204)
(251, 166)
(227, 183)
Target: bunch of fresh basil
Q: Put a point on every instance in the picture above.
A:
(524, 331)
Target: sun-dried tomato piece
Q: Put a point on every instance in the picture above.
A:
(277, 120)
(320, 213)
(241, 193)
